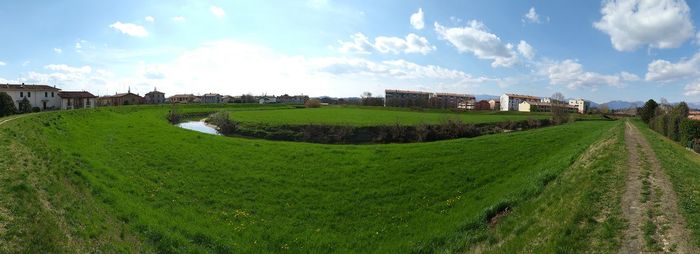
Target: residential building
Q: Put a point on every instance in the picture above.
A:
(538, 106)
(296, 99)
(211, 98)
(154, 97)
(40, 96)
(483, 105)
(511, 102)
(182, 98)
(77, 99)
(580, 104)
(119, 99)
(694, 115)
(404, 98)
(453, 100)
(495, 104)
(267, 99)
(228, 99)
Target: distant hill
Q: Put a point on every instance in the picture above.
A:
(614, 105)
(487, 97)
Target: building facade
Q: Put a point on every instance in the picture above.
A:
(120, 99)
(211, 98)
(405, 98)
(511, 102)
(296, 99)
(154, 97)
(580, 104)
(39, 96)
(453, 100)
(77, 99)
(533, 106)
(182, 98)
(267, 100)
(495, 104)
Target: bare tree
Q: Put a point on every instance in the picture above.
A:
(560, 113)
(366, 95)
(603, 108)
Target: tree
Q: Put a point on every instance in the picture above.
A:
(25, 106)
(560, 114)
(7, 106)
(648, 111)
(603, 108)
(366, 95)
(682, 109)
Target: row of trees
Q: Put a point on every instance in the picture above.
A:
(672, 122)
(7, 106)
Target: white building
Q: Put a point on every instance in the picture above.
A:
(511, 102)
(580, 104)
(41, 96)
(211, 98)
(77, 100)
(267, 100)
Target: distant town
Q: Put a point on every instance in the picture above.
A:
(44, 97)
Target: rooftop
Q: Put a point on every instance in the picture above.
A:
(75, 94)
(404, 91)
(27, 87)
(522, 96)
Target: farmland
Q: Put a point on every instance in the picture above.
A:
(124, 179)
(365, 116)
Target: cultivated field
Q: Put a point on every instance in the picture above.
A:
(366, 116)
(125, 180)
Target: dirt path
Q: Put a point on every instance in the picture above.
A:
(649, 203)
(10, 119)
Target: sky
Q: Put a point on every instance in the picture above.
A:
(598, 50)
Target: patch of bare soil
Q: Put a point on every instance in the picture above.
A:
(649, 203)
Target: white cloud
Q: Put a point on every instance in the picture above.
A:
(692, 89)
(78, 45)
(65, 68)
(68, 77)
(570, 73)
(217, 11)
(526, 50)
(531, 16)
(130, 29)
(665, 71)
(383, 44)
(626, 76)
(475, 39)
(3, 63)
(656, 23)
(150, 19)
(417, 19)
(57, 50)
(178, 19)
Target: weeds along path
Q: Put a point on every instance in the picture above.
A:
(649, 203)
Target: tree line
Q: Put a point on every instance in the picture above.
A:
(672, 122)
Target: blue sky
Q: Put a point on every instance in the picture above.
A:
(625, 49)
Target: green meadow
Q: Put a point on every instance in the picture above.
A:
(125, 180)
(367, 116)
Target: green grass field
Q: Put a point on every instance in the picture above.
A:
(125, 180)
(365, 116)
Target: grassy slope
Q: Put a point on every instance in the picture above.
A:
(374, 116)
(683, 167)
(125, 176)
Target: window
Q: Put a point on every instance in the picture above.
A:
(21, 94)
(46, 94)
(88, 102)
(51, 94)
(29, 94)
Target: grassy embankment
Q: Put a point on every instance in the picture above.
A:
(683, 167)
(123, 179)
(370, 116)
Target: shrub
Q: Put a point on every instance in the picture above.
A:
(173, 115)
(36, 109)
(312, 103)
(648, 110)
(25, 106)
(689, 131)
(7, 106)
(222, 121)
